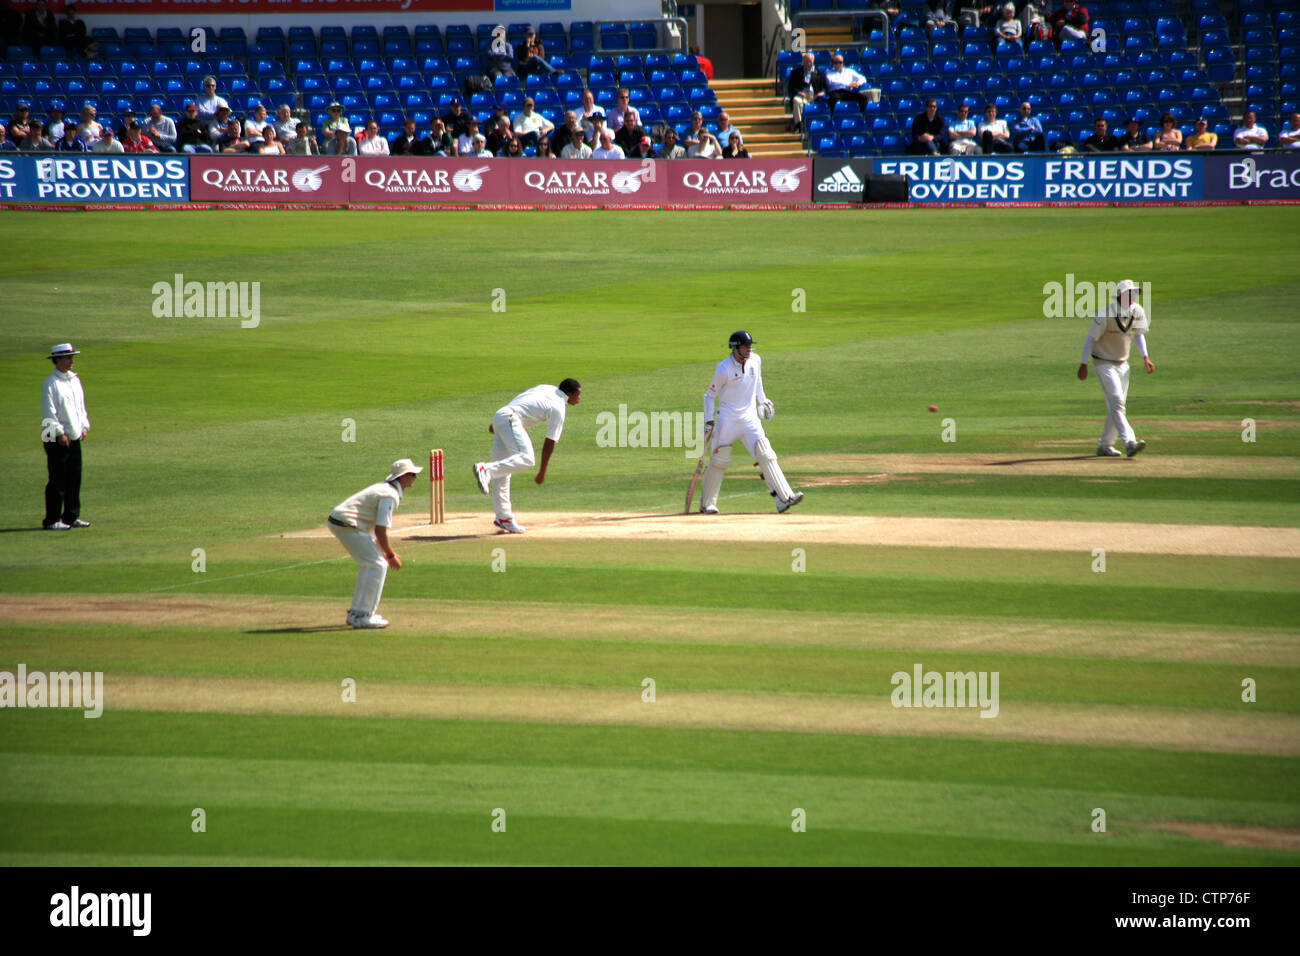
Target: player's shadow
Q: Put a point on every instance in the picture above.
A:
(324, 628)
(451, 537)
(1031, 461)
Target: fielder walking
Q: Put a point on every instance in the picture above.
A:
(64, 423)
(737, 389)
(1108, 341)
(361, 524)
(511, 449)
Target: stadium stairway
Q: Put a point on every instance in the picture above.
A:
(760, 116)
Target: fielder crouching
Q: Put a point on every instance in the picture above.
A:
(361, 524)
(737, 389)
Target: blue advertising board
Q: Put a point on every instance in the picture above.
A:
(94, 178)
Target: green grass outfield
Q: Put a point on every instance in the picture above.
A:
(523, 690)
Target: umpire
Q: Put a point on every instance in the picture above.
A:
(64, 423)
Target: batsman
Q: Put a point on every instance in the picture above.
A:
(737, 390)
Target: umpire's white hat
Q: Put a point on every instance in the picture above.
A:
(63, 350)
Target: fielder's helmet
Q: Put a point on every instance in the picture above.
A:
(740, 338)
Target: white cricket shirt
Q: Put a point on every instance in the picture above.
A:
(541, 403)
(1111, 335)
(370, 506)
(735, 389)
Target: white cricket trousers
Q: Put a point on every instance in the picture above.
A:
(1114, 387)
(372, 568)
(511, 451)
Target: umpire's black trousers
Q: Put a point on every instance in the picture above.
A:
(63, 491)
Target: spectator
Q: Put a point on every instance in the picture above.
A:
(456, 120)
(208, 101)
(1249, 135)
(478, 146)
(55, 113)
(994, 135)
(439, 142)
(1008, 26)
(231, 139)
(670, 149)
(89, 130)
(1134, 138)
(254, 124)
(735, 148)
(1070, 22)
(530, 126)
(269, 144)
(563, 135)
(160, 129)
(500, 59)
(597, 126)
(805, 84)
(6, 144)
(286, 127)
(607, 148)
(36, 141)
(1289, 138)
(70, 142)
(1027, 131)
(938, 13)
(845, 84)
(107, 143)
(372, 144)
(1100, 141)
(614, 118)
(303, 143)
(497, 138)
(691, 137)
(707, 148)
(125, 119)
(134, 142)
(20, 125)
(514, 148)
(962, 133)
(407, 142)
(630, 133)
(577, 148)
(703, 63)
(218, 126)
(465, 142)
(335, 120)
(40, 28)
(1169, 137)
(589, 109)
(544, 148)
(725, 129)
(341, 143)
(1201, 138)
(644, 148)
(72, 31)
(530, 56)
(192, 132)
(929, 132)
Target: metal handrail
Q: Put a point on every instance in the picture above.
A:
(662, 22)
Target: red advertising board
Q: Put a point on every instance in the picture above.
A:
(400, 179)
(607, 182)
(247, 7)
(285, 179)
(692, 181)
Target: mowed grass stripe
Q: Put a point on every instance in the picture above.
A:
(1215, 731)
(327, 740)
(701, 796)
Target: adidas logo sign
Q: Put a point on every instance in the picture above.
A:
(843, 180)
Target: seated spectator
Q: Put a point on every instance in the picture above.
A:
(107, 143)
(1202, 138)
(707, 148)
(72, 31)
(643, 148)
(286, 127)
(124, 119)
(341, 142)
(1249, 135)
(136, 142)
(39, 27)
(704, 64)
(372, 144)
(530, 126)
(630, 132)
(54, 130)
(577, 148)
(845, 84)
(1133, 138)
(724, 129)
(735, 148)
(269, 144)
(514, 148)
(607, 148)
(938, 13)
(962, 133)
(465, 142)
(1170, 136)
(544, 148)
(1289, 138)
(497, 138)
(407, 142)
(530, 56)
(563, 135)
(20, 126)
(478, 146)
(192, 132)
(614, 118)
(218, 126)
(1027, 131)
(456, 120)
(1008, 26)
(589, 109)
(6, 144)
(70, 143)
(160, 129)
(208, 101)
(1100, 141)
(994, 135)
(89, 130)
(439, 142)
(303, 142)
(594, 127)
(929, 132)
(691, 138)
(334, 120)
(1070, 22)
(500, 59)
(805, 84)
(670, 149)
(255, 123)
(36, 141)
(231, 139)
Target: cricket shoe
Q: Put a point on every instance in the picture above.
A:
(1133, 447)
(783, 506)
(369, 622)
(710, 510)
(79, 524)
(57, 526)
(508, 525)
(481, 476)
(1106, 451)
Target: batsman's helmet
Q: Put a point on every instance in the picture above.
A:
(740, 338)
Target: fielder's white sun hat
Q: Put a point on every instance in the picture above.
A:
(403, 466)
(1126, 285)
(62, 350)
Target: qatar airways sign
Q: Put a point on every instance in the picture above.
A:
(743, 180)
(586, 180)
(287, 179)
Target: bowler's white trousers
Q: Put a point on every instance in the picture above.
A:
(1114, 387)
(372, 568)
(511, 451)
